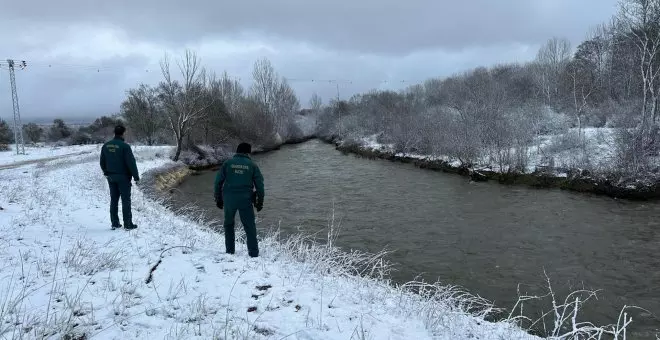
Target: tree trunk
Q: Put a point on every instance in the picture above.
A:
(179, 142)
(644, 105)
(654, 109)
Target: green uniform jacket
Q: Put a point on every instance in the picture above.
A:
(237, 177)
(117, 159)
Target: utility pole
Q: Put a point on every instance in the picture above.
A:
(18, 127)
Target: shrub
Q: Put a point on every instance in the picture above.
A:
(6, 134)
(636, 149)
(80, 138)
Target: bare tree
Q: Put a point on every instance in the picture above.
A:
(276, 97)
(143, 113)
(216, 126)
(602, 36)
(232, 94)
(582, 81)
(315, 102)
(551, 60)
(185, 103)
(316, 105)
(254, 124)
(640, 21)
(285, 106)
(265, 84)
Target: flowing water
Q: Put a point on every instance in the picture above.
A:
(485, 237)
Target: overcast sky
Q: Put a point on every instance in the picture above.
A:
(83, 55)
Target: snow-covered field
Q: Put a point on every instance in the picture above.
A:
(43, 152)
(66, 272)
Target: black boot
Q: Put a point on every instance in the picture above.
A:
(130, 226)
(118, 226)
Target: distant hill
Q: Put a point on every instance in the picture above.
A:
(47, 121)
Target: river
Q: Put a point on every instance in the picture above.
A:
(485, 237)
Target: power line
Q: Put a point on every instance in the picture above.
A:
(107, 68)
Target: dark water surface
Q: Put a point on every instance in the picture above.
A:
(485, 237)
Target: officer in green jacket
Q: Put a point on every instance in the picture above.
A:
(233, 191)
(118, 166)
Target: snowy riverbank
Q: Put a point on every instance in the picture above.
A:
(564, 172)
(66, 272)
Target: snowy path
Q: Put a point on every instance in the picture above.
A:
(65, 272)
(40, 160)
(36, 154)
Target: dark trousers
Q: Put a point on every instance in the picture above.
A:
(120, 187)
(242, 205)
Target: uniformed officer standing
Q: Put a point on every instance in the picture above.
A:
(233, 191)
(118, 165)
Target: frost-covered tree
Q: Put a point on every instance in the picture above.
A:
(185, 102)
(231, 93)
(315, 103)
(275, 96)
(551, 60)
(143, 113)
(32, 132)
(639, 21)
(216, 125)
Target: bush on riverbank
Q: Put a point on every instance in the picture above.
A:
(199, 157)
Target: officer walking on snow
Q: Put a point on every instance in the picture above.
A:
(233, 191)
(118, 165)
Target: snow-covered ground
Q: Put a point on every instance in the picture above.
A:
(42, 152)
(66, 272)
(598, 152)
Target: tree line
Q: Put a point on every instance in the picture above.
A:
(202, 108)
(59, 131)
(612, 79)
(197, 107)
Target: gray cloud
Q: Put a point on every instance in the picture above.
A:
(83, 55)
(367, 26)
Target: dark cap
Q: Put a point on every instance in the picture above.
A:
(244, 148)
